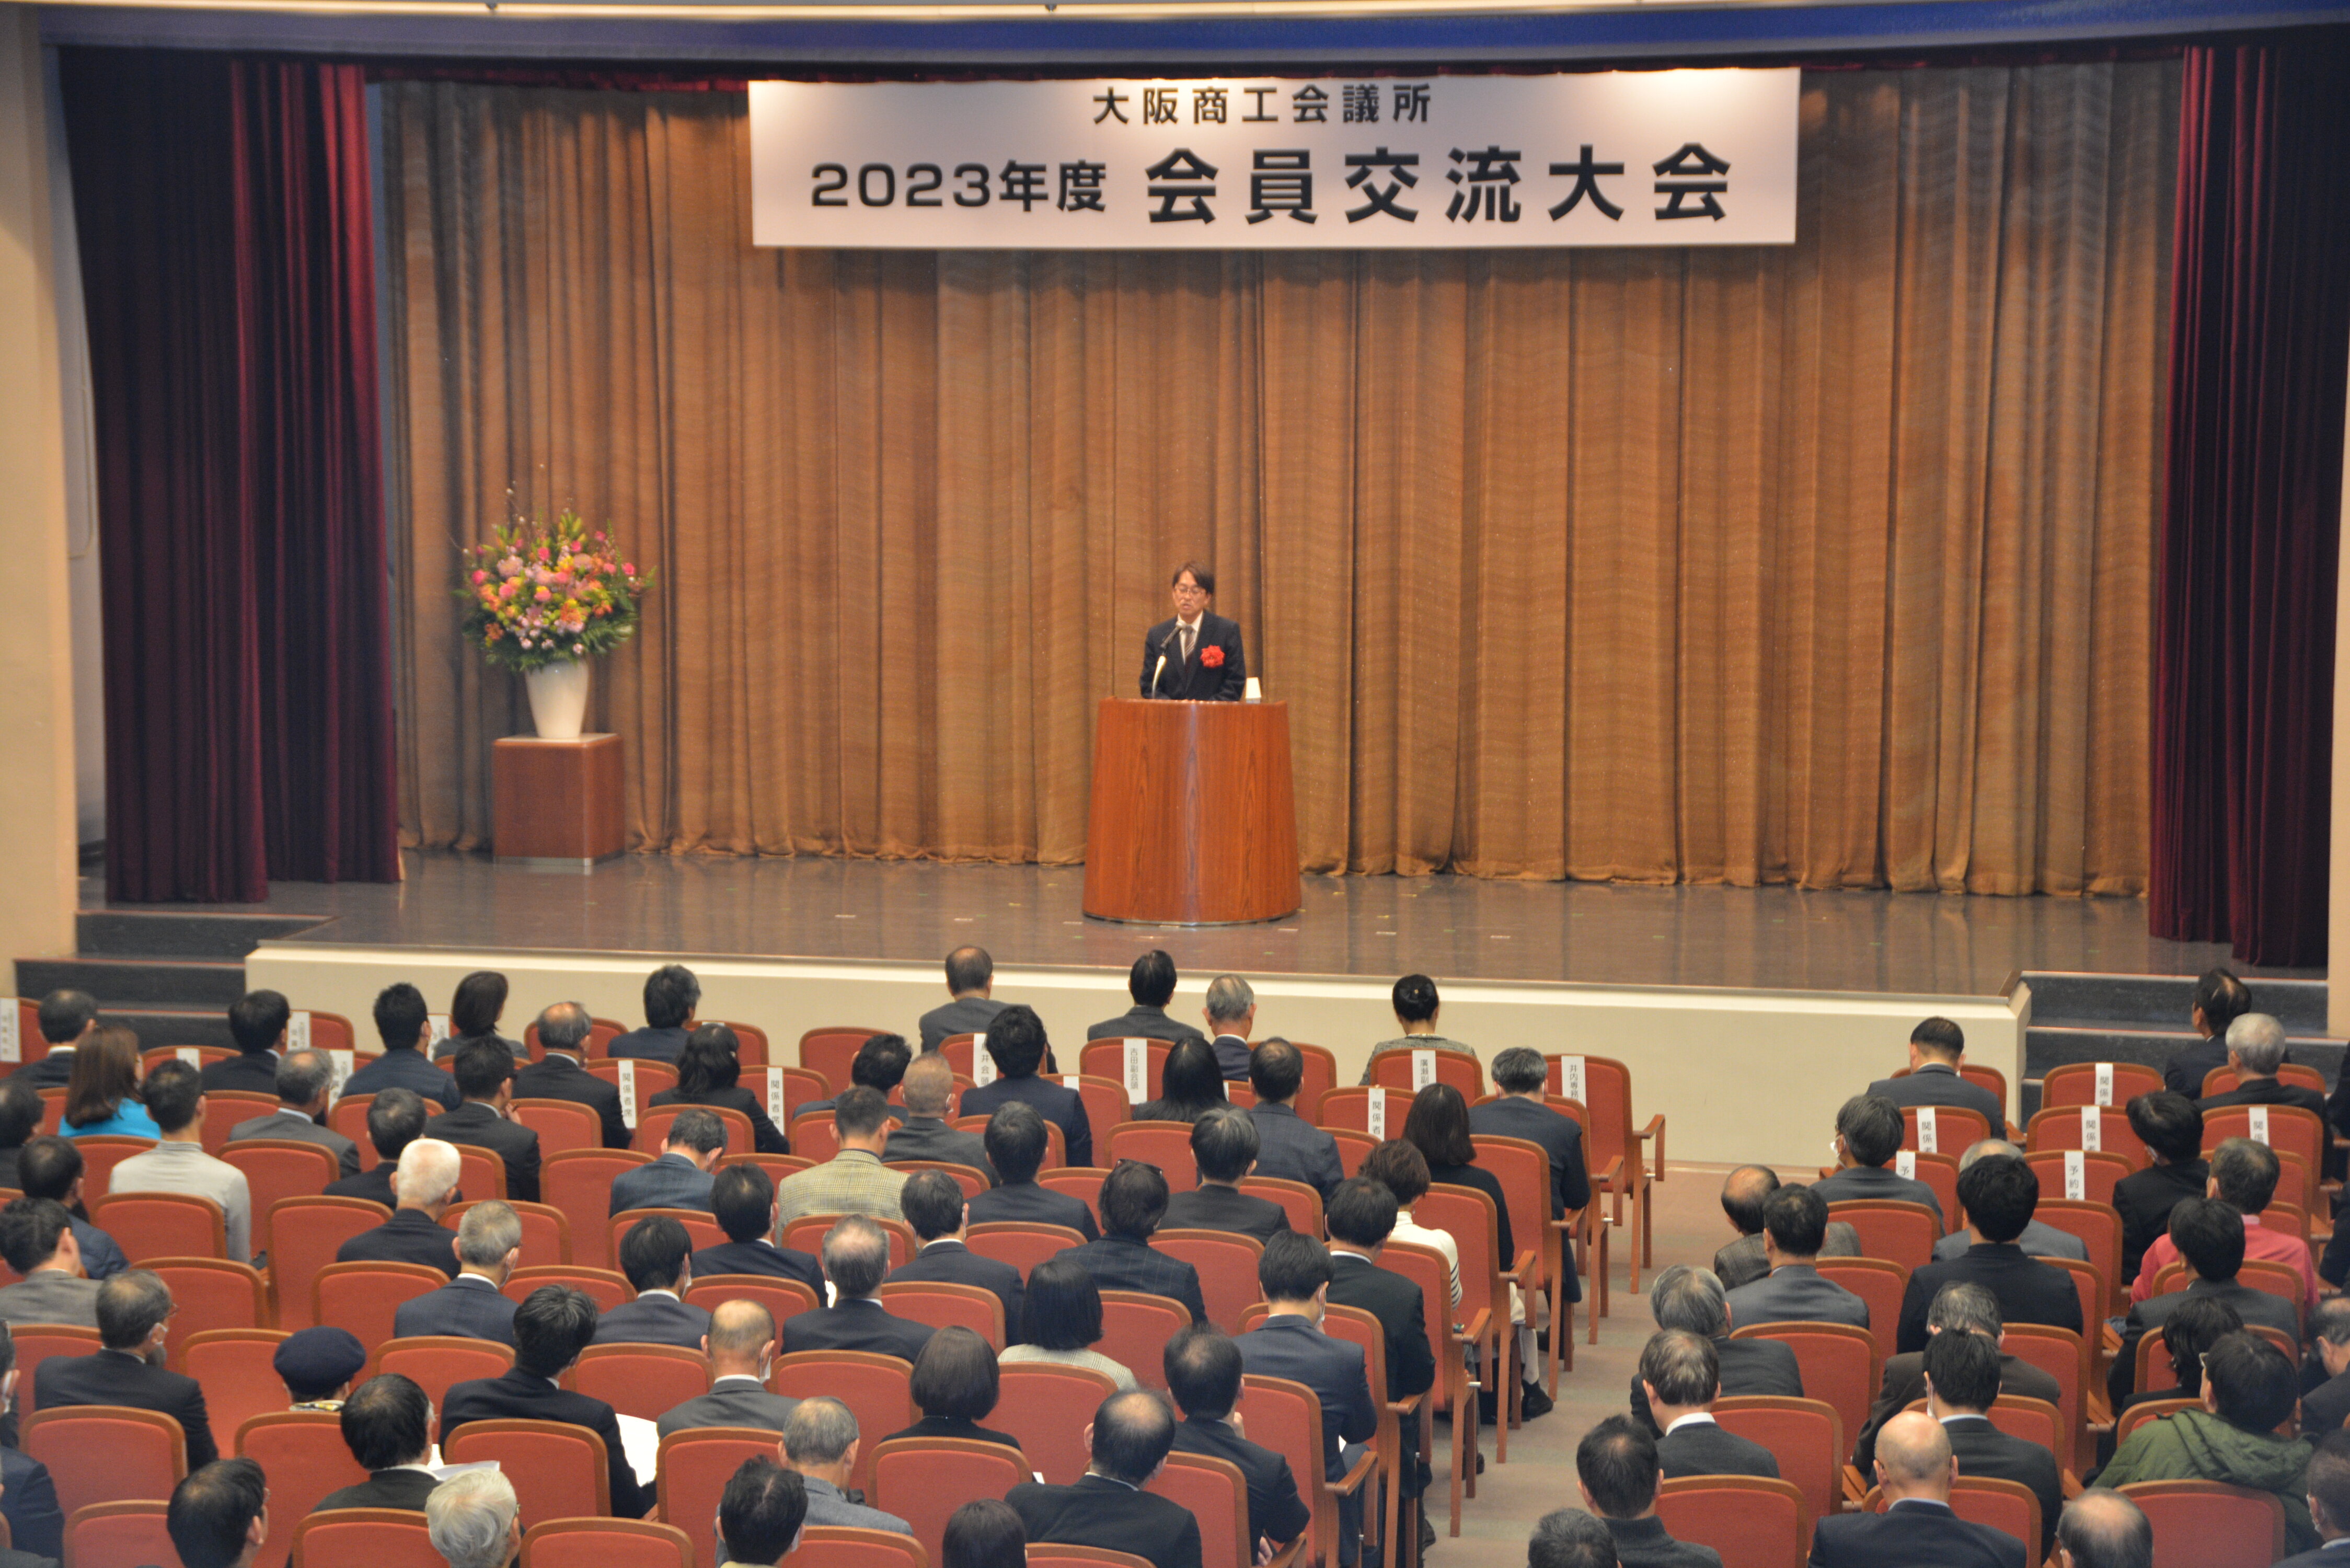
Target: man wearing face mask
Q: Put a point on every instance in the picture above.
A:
(134, 1323)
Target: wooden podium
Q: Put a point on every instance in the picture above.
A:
(1194, 816)
(556, 803)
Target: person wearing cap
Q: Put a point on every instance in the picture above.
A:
(317, 1366)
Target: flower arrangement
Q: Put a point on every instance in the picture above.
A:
(540, 593)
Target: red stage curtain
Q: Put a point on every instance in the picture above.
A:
(228, 252)
(2244, 633)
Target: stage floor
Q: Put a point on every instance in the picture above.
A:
(1457, 928)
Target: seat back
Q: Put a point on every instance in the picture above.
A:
(1215, 1493)
(1167, 1144)
(1468, 1216)
(305, 1233)
(107, 1453)
(37, 1342)
(1022, 1246)
(1413, 1070)
(1838, 1364)
(379, 1537)
(776, 1165)
(364, 1297)
(1298, 1201)
(2208, 1524)
(1040, 1404)
(276, 1169)
(162, 1225)
(348, 1115)
(2071, 1175)
(1752, 1521)
(806, 1234)
(1377, 1111)
(212, 1292)
(1227, 1265)
(784, 1299)
(2058, 1352)
(305, 1457)
(235, 1367)
(694, 1466)
(438, 1362)
(1941, 1130)
(1805, 1436)
(2088, 1128)
(829, 1546)
(100, 1153)
(1106, 1100)
(1054, 1555)
(639, 1079)
(878, 1390)
(109, 1532)
(579, 1183)
(607, 1543)
(2112, 1085)
(1286, 1418)
(482, 1174)
(970, 1177)
(801, 1085)
(815, 1136)
(2099, 1227)
(923, 1480)
(546, 1229)
(561, 1125)
(942, 1304)
(601, 1033)
(2146, 1410)
(652, 1126)
(1352, 1146)
(223, 1108)
(1425, 1267)
(1082, 1182)
(2282, 1127)
(1136, 1328)
(2222, 1080)
(1880, 1283)
(1607, 1093)
(1108, 1059)
(558, 1471)
(2007, 1506)
(700, 1225)
(1939, 1172)
(642, 1380)
(1523, 1169)
(832, 1049)
(607, 1287)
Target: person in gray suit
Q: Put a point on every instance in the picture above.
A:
(1682, 1297)
(971, 977)
(657, 1254)
(1288, 1146)
(1617, 1469)
(1794, 1225)
(1743, 1192)
(929, 1089)
(680, 1177)
(1936, 1048)
(1870, 1130)
(741, 1346)
(1683, 1377)
(472, 1306)
(36, 1238)
(820, 1444)
(304, 1079)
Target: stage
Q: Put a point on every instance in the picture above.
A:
(1747, 1013)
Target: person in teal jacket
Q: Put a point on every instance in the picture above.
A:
(2249, 1391)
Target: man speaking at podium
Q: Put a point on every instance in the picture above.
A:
(1195, 656)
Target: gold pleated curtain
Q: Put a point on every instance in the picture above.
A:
(1826, 563)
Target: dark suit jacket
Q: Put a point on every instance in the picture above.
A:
(2189, 1065)
(1140, 1023)
(1217, 1207)
(1098, 1511)
(654, 1320)
(406, 1068)
(2253, 1306)
(929, 1137)
(1905, 1384)
(1880, 1183)
(1232, 1057)
(53, 1070)
(2325, 1406)
(249, 1072)
(2029, 1291)
(1294, 1149)
(854, 1325)
(1748, 1366)
(118, 1377)
(36, 1524)
(302, 1129)
(1914, 1533)
(1289, 1346)
(659, 1044)
(1122, 1263)
(1703, 1448)
(520, 1395)
(672, 1181)
(383, 1489)
(561, 1078)
(1643, 1543)
(2321, 1558)
(1983, 1449)
(375, 1185)
(948, 1261)
(1560, 1137)
(1025, 1203)
(1743, 1262)
(2144, 1199)
(964, 1015)
(480, 1127)
(1277, 1513)
(1065, 1107)
(470, 1306)
(101, 1259)
(2268, 1092)
(410, 1236)
(1396, 1303)
(731, 1402)
(766, 1138)
(961, 1428)
(1934, 1085)
(1193, 680)
(760, 1256)
(456, 1042)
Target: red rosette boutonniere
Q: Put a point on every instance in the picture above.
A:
(1212, 656)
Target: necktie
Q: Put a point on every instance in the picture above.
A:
(1188, 633)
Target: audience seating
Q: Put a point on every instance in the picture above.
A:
(223, 1108)
(2146, 1410)
(806, 1234)
(832, 1546)
(2099, 1227)
(162, 1225)
(1227, 1264)
(1298, 1201)
(2003, 1505)
(1107, 1059)
(364, 1297)
(1838, 1364)
(2075, 1084)
(784, 1299)
(1879, 1281)
(1942, 1129)
(303, 1454)
(1362, 1330)
(1021, 1244)
(108, 1533)
(700, 1224)
(1975, 1073)
(107, 1453)
(1106, 1100)
(37, 1342)
(1136, 1328)
(1083, 1182)
(1449, 1335)
(652, 1126)
(2279, 1280)
(2068, 1126)
(276, 1169)
(558, 1471)
(579, 1183)
(923, 1480)
(212, 1292)
(53, 1108)
(305, 1233)
(437, 1362)
(693, 1467)
(2208, 1524)
(379, 1537)
(1036, 1404)
(878, 1390)
(2222, 1079)
(1285, 1416)
(481, 1173)
(970, 1177)
(814, 1136)
(1167, 1144)
(642, 1380)
(2291, 1130)
(1939, 1172)
(833, 1049)
(942, 1304)
(100, 1153)
(607, 1543)
(1400, 1069)
(776, 1165)
(235, 1367)
(801, 1085)
(1059, 1556)
(1805, 1436)
(1216, 1494)
(1523, 1169)
(1474, 1224)
(1352, 1146)
(561, 1125)
(1607, 1091)
(651, 1078)
(546, 1229)
(608, 1287)
(1349, 1108)
(2099, 1174)
(347, 1117)
(1752, 1521)
(2065, 1356)
(2034, 1421)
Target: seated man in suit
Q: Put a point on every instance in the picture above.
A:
(2038, 1240)
(672, 993)
(36, 1239)
(256, 1021)
(304, 1079)
(1936, 1048)
(1133, 1203)
(1915, 1468)
(1681, 1375)
(178, 1163)
(681, 1177)
(2325, 1408)
(475, 1519)
(219, 1515)
(657, 1254)
(929, 1088)
(934, 1207)
(552, 1326)
(484, 1071)
(2327, 1483)
(1223, 1148)
(1957, 1308)
(1570, 1538)
(2250, 1387)
(1016, 1044)
(395, 1119)
(50, 1166)
(2244, 1177)
(66, 1018)
(1870, 1130)
(1743, 1192)
(1230, 1014)
(743, 1200)
(1129, 1440)
(1794, 1225)
(426, 1185)
(472, 1306)
(1016, 1145)
(853, 1181)
(134, 1322)
(1617, 1470)
(971, 982)
(563, 1031)
(20, 1118)
(2171, 1127)
(741, 1346)
(821, 1443)
(880, 1066)
(761, 1514)
(1998, 1193)
(1517, 1111)
(2255, 1051)
(2103, 1529)
(1961, 1383)
(1151, 983)
(474, 1011)
(1203, 1373)
(28, 1497)
(2220, 1000)
(1289, 1147)
(388, 1427)
(405, 1026)
(856, 1259)
(318, 1367)
(2210, 1236)
(1295, 1273)
(1692, 1300)
(1360, 1218)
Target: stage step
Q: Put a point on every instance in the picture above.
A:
(2143, 1018)
(172, 933)
(168, 974)
(133, 980)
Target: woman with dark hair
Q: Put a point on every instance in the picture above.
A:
(1438, 1125)
(985, 1534)
(1061, 1320)
(474, 1015)
(709, 1072)
(1416, 1005)
(103, 1095)
(956, 1382)
(1190, 1085)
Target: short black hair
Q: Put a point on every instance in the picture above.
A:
(2209, 1235)
(1361, 1212)
(881, 1061)
(653, 1253)
(2252, 1381)
(1292, 1267)
(400, 1015)
(2199, 1324)
(395, 1119)
(1203, 1371)
(1016, 1141)
(743, 1200)
(672, 993)
(956, 1374)
(1999, 1193)
(761, 1511)
(1132, 1432)
(931, 1202)
(1617, 1464)
(48, 1166)
(859, 1111)
(1415, 999)
(1199, 574)
(1871, 1127)
(257, 1019)
(2170, 1125)
(2223, 999)
(20, 1112)
(482, 1068)
(695, 1129)
(1276, 1070)
(1133, 1199)
(1940, 1036)
(171, 1092)
(212, 1511)
(2246, 1171)
(968, 969)
(388, 1421)
(31, 1229)
(1062, 1307)
(481, 997)
(552, 1326)
(1151, 980)
(1797, 1219)
(1570, 1538)
(1016, 1041)
(64, 1015)
(1224, 1144)
(1964, 1368)
(985, 1534)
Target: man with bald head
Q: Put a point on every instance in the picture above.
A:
(1917, 1529)
(970, 981)
(425, 1184)
(741, 1346)
(1129, 1441)
(2039, 1240)
(2103, 1529)
(1744, 1193)
(928, 1090)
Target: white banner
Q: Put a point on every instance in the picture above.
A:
(1611, 157)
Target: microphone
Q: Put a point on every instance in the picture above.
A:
(1161, 667)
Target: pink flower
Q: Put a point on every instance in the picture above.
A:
(543, 552)
(480, 578)
(542, 596)
(627, 570)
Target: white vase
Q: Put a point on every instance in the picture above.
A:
(558, 699)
